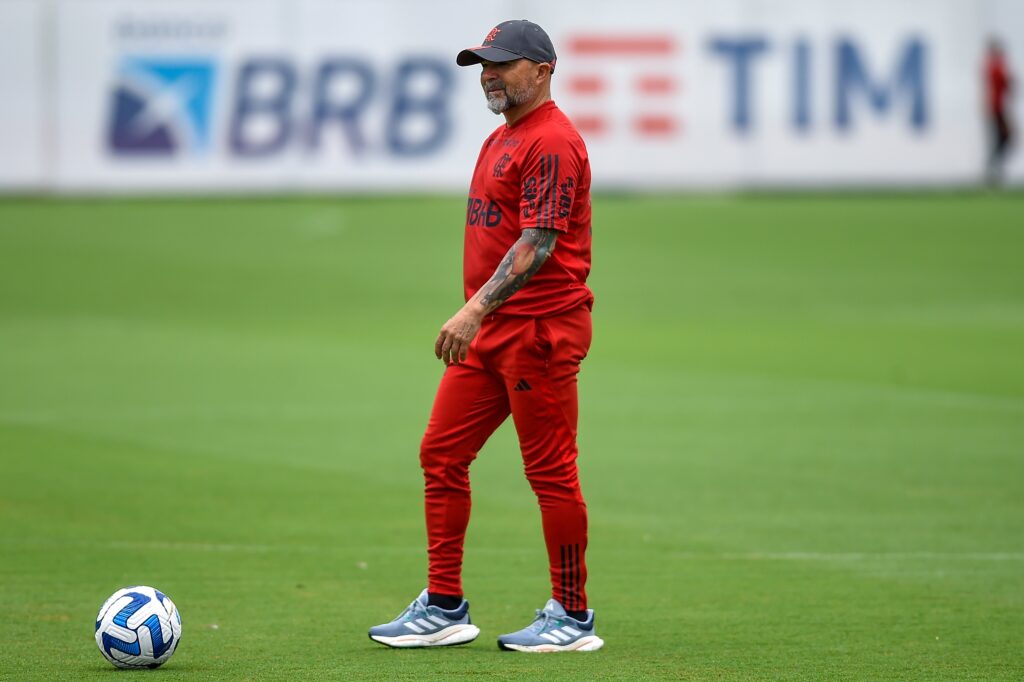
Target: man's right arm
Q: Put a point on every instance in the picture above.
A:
(520, 263)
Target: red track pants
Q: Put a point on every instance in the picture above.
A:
(525, 367)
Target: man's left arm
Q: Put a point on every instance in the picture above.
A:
(521, 262)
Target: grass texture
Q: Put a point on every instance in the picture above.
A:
(802, 437)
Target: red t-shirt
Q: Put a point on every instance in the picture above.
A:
(533, 174)
(998, 80)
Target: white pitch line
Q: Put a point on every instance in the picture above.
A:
(190, 412)
(215, 547)
(847, 392)
(850, 556)
(255, 548)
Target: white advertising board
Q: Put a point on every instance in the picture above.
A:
(351, 95)
(23, 143)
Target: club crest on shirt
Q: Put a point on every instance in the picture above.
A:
(499, 167)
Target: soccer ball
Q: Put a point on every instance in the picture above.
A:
(138, 627)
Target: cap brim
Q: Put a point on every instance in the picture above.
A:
(475, 55)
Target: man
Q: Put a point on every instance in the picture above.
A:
(997, 85)
(514, 348)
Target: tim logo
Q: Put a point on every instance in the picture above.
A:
(161, 107)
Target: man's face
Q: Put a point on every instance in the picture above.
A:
(508, 84)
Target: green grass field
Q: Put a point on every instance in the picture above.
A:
(802, 437)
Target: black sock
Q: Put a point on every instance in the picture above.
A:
(581, 616)
(443, 601)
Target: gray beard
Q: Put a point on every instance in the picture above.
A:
(499, 105)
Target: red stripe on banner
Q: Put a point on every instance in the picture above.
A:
(594, 125)
(586, 85)
(655, 125)
(656, 85)
(622, 45)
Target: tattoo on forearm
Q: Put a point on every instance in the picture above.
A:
(521, 262)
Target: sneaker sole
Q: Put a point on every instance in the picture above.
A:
(451, 636)
(592, 643)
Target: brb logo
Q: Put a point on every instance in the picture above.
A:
(275, 106)
(161, 107)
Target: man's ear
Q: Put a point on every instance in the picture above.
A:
(543, 69)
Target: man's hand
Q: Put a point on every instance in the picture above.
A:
(452, 343)
(521, 262)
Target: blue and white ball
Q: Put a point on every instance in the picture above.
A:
(138, 627)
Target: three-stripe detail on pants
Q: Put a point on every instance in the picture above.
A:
(570, 569)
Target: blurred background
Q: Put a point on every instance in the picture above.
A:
(353, 95)
(229, 233)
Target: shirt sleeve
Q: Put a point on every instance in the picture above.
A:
(550, 175)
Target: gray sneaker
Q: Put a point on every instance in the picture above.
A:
(554, 630)
(421, 625)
